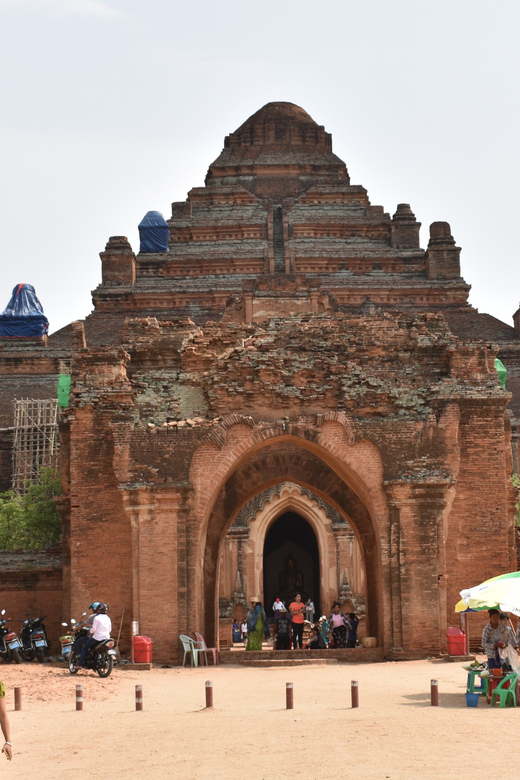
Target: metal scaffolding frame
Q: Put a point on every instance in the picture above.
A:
(35, 440)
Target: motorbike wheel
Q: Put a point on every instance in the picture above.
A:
(27, 655)
(73, 663)
(104, 665)
(40, 654)
(15, 656)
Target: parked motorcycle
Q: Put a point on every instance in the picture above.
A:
(67, 640)
(9, 642)
(34, 639)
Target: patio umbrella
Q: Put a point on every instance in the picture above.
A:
(502, 592)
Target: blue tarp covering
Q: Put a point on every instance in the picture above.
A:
(23, 317)
(154, 233)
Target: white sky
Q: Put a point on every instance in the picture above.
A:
(110, 109)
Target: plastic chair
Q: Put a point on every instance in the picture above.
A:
(471, 686)
(502, 692)
(189, 647)
(205, 649)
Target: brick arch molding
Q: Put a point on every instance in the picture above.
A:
(357, 494)
(259, 515)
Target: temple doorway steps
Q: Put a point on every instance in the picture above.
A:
(270, 657)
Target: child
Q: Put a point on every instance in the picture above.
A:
(243, 630)
(282, 631)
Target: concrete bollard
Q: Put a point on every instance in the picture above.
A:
(139, 698)
(434, 693)
(354, 694)
(289, 696)
(79, 697)
(17, 697)
(209, 694)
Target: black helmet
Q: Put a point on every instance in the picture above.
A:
(101, 607)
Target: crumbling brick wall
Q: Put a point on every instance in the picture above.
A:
(171, 433)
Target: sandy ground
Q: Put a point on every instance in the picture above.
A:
(395, 733)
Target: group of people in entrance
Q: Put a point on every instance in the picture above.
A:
(338, 631)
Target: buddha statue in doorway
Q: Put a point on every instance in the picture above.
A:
(290, 579)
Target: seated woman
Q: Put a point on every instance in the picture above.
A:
(314, 639)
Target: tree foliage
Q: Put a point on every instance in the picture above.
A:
(31, 521)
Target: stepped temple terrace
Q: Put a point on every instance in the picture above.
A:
(281, 392)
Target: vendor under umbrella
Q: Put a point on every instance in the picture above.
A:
(494, 637)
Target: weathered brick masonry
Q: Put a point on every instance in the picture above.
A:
(295, 383)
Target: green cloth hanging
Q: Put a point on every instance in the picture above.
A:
(502, 371)
(63, 390)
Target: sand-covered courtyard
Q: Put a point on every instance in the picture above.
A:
(395, 733)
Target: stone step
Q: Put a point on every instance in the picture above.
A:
(275, 662)
(294, 657)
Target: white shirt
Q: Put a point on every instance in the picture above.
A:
(101, 627)
(278, 605)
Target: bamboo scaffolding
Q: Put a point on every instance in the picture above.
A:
(35, 443)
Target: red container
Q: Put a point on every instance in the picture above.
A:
(143, 650)
(456, 641)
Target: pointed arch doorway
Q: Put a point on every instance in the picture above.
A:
(288, 521)
(291, 561)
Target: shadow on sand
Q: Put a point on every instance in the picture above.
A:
(452, 701)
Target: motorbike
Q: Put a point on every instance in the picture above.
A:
(9, 642)
(34, 639)
(100, 658)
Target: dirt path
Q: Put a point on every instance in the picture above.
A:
(394, 734)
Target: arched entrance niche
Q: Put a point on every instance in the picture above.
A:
(287, 460)
(283, 519)
(291, 562)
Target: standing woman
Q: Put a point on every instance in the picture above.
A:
(257, 626)
(4, 724)
(297, 610)
(338, 625)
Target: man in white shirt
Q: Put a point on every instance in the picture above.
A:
(278, 606)
(101, 628)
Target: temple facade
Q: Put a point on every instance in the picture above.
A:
(289, 395)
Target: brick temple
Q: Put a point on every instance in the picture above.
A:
(290, 395)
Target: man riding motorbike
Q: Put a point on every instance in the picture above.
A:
(87, 624)
(100, 629)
